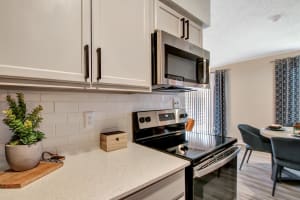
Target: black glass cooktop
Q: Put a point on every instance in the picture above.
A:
(189, 145)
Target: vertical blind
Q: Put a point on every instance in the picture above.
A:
(199, 106)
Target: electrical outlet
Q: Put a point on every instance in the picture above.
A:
(176, 102)
(89, 119)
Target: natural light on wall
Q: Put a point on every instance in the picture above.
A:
(199, 106)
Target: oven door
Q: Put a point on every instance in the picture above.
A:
(216, 178)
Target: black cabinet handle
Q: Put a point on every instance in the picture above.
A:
(99, 63)
(183, 28)
(187, 29)
(87, 62)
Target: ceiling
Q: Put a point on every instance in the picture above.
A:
(247, 29)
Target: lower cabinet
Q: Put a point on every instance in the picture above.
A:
(170, 188)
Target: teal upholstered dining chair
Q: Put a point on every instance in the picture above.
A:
(254, 141)
(285, 154)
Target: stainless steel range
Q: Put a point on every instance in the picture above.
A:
(212, 174)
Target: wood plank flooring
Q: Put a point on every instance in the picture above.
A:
(254, 182)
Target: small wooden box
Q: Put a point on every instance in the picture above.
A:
(113, 140)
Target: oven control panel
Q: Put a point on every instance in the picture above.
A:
(149, 119)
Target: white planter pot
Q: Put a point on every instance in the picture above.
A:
(23, 157)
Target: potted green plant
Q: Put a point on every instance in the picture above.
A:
(24, 150)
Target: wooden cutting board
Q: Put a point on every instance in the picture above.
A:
(11, 179)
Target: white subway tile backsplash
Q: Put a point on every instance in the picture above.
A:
(53, 142)
(5, 135)
(66, 129)
(30, 96)
(31, 105)
(73, 97)
(48, 129)
(3, 106)
(3, 94)
(75, 117)
(63, 107)
(54, 118)
(89, 107)
(48, 107)
(59, 96)
(63, 115)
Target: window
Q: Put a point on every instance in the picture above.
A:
(199, 106)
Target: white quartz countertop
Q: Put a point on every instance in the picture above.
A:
(100, 175)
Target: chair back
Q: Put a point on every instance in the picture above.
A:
(254, 139)
(286, 149)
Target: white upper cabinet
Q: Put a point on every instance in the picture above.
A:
(198, 8)
(195, 34)
(121, 43)
(45, 40)
(167, 19)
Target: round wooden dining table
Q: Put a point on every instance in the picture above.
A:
(286, 132)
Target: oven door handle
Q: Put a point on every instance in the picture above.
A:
(214, 166)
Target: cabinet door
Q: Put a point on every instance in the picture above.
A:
(121, 30)
(168, 20)
(172, 22)
(198, 8)
(195, 34)
(42, 39)
(170, 188)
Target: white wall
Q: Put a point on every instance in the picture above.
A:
(63, 121)
(251, 92)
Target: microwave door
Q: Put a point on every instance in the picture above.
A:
(179, 63)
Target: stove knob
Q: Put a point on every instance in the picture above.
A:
(183, 115)
(148, 119)
(142, 119)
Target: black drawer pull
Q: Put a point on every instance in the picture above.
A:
(117, 139)
(187, 29)
(183, 28)
(99, 63)
(87, 62)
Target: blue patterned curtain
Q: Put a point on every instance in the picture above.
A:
(287, 90)
(220, 103)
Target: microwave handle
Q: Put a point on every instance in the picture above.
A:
(204, 71)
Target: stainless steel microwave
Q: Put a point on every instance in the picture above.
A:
(177, 65)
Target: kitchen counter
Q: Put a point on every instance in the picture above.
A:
(98, 175)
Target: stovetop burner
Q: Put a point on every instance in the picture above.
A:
(185, 151)
(196, 146)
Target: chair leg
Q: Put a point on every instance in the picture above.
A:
(280, 173)
(275, 178)
(250, 152)
(245, 154)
